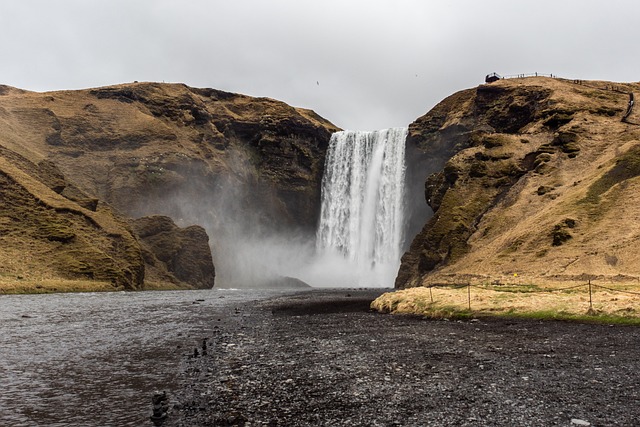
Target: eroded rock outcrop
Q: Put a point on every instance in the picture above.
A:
(515, 168)
(174, 254)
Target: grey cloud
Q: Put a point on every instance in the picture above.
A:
(361, 64)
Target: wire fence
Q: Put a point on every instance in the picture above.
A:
(607, 87)
(522, 76)
(589, 287)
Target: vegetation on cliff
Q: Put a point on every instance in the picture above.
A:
(76, 164)
(536, 177)
(53, 243)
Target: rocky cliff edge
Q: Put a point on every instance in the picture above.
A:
(532, 179)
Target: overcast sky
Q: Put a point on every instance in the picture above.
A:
(361, 64)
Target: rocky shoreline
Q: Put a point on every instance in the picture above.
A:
(321, 358)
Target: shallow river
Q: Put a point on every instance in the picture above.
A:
(94, 359)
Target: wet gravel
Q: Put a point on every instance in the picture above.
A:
(321, 358)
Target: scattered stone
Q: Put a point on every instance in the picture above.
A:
(544, 189)
(560, 233)
(306, 366)
(160, 407)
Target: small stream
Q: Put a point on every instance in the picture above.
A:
(94, 359)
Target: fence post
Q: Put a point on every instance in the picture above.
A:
(590, 297)
(431, 292)
(469, 294)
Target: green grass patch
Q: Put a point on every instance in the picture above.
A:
(597, 318)
(48, 286)
(448, 312)
(518, 301)
(458, 313)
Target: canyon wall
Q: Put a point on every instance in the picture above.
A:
(534, 179)
(199, 156)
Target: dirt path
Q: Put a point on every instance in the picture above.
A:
(322, 359)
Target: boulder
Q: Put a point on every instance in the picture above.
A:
(179, 255)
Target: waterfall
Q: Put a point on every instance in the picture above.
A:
(362, 218)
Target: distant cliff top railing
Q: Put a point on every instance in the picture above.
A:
(490, 78)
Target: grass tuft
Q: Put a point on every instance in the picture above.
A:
(525, 301)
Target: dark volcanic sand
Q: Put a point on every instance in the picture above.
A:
(321, 358)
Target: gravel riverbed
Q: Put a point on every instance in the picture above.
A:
(322, 358)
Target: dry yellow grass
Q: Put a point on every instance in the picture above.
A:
(10, 284)
(21, 285)
(554, 301)
(512, 228)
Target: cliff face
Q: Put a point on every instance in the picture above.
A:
(200, 156)
(535, 177)
(135, 145)
(51, 233)
(173, 254)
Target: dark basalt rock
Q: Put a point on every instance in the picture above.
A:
(175, 254)
(508, 110)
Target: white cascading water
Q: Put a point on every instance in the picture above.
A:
(362, 213)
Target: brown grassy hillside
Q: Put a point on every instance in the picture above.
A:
(49, 242)
(74, 164)
(533, 177)
(133, 144)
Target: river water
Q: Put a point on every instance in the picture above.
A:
(94, 359)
